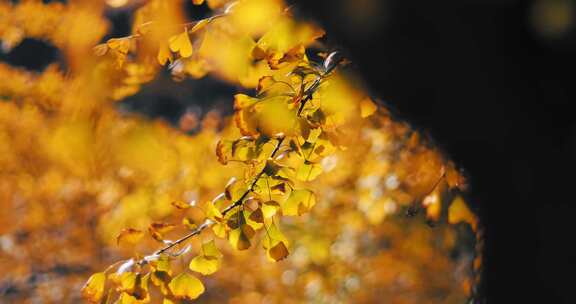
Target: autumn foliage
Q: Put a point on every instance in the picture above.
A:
(309, 192)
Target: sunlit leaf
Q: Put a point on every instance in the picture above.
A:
(164, 55)
(299, 202)
(269, 208)
(180, 43)
(308, 171)
(93, 290)
(129, 236)
(209, 259)
(275, 243)
(367, 107)
(459, 212)
(186, 286)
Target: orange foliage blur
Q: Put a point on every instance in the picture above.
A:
(87, 189)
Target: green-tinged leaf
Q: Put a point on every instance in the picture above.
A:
(299, 202)
(209, 259)
(270, 208)
(275, 243)
(308, 171)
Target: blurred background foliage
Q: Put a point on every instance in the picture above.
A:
(90, 145)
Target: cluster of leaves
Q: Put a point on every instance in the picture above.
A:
(63, 145)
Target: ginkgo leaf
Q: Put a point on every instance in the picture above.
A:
(367, 107)
(126, 298)
(275, 243)
(189, 223)
(278, 252)
(126, 281)
(161, 279)
(209, 259)
(129, 236)
(141, 288)
(180, 204)
(164, 55)
(158, 229)
(180, 43)
(100, 49)
(186, 286)
(459, 212)
(205, 265)
(269, 208)
(212, 212)
(93, 290)
(299, 202)
(197, 2)
(257, 216)
(121, 45)
(243, 101)
(219, 230)
(308, 171)
(240, 237)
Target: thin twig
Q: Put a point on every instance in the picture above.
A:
(207, 223)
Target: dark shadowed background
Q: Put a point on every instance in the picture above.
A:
(492, 81)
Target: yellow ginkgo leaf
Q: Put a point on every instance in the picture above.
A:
(181, 204)
(181, 44)
(100, 49)
(212, 212)
(308, 171)
(93, 290)
(219, 230)
(209, 259)
(270, 208)
(367, 107)
(164, 55)
(121, 45)
(186, 286)
(240, 237)
(275, 243)
(204, 264)
(459, 212)
(129, 236)
(299, 202)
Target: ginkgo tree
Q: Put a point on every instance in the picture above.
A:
(309, 170)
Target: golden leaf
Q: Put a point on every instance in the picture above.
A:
(181, 44)
(93, 290)
(459, 212)
(308, 171)
(299, 202)
(129, 236)
(275, 243)
(164, 55)
(367, 107)
(208, 261)
(186, 286)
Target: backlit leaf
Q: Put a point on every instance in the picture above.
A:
(209, 259)
(299, 202)
(186, 286)
(129, 236)
(93, 290)
(180, 43)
